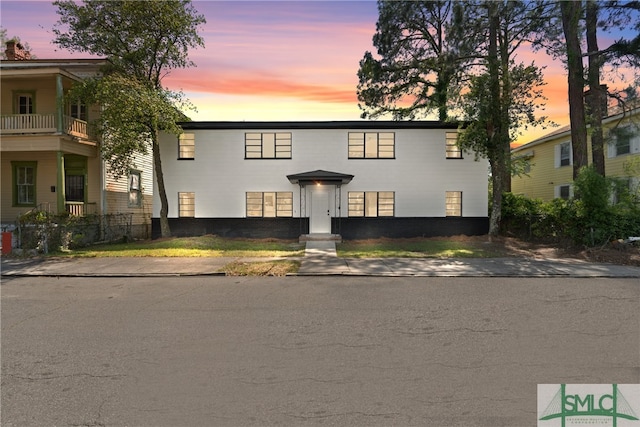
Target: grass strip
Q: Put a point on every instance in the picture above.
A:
(261, 268)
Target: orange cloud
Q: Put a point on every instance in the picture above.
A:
(259, 85)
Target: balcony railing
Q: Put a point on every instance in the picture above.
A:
(14, 124)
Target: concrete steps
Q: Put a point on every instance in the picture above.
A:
(320, 237)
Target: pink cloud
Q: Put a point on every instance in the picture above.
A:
(260, 85)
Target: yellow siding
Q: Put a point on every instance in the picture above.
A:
(544, 176)
(615, 166)
(45, 90)
(45, 94)
(45, 178)
(46, 170)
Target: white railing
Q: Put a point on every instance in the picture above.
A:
(28, 123)
(80, 208)
(41, 123)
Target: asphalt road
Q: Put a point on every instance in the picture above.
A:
(366, 351)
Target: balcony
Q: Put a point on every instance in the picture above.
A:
(15, 124)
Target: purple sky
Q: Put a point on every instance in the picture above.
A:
(269, 60)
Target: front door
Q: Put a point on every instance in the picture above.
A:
(320, 220)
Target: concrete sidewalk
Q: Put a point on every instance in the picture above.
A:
(320, 260)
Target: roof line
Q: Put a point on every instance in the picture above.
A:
(337, 124)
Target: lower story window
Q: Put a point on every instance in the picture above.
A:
(24, 183)
(371, 203)
(453, 203)
(135, 189)
(269, 204)
(187, 204)
(563, 192)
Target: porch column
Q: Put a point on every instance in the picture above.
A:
(59, 104)
(60, 183)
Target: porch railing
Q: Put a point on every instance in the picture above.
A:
(42, 123)
(81, 208)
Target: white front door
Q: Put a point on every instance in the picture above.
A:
(320, 219)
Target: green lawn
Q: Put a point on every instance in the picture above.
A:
(214, 246)
(413, 248)
(202, 246)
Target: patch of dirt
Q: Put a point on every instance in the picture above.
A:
(613, 252)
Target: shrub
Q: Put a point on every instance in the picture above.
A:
(46, 232)
(590, 219)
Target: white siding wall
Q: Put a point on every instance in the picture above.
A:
(117, 191)
(419, 175)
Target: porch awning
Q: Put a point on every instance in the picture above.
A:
(320, 177)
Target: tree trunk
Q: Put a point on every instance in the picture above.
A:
(597, 95)
(495, 125)
(571, 13)
(496, 198)
(505, 107)
(165, 230)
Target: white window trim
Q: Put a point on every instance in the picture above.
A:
(135, 185)
(558, 153)
(556, 190)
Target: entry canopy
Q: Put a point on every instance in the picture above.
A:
(320, 177)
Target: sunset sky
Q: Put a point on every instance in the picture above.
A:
(271, 60)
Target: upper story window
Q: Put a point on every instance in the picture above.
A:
(78, 110)
(371, 203)
(24, 183)
(187, 146)
(267, 145)
(24, 102)
(372, 145)
(623, 146)
(269, 204)
(563, 155)
(623, 141)
(452, 149)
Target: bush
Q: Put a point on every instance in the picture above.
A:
(590, 219)
(46, 232)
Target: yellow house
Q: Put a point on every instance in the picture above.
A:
(50, 161)
(549, 167)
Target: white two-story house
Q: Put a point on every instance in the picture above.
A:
(353, 179)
